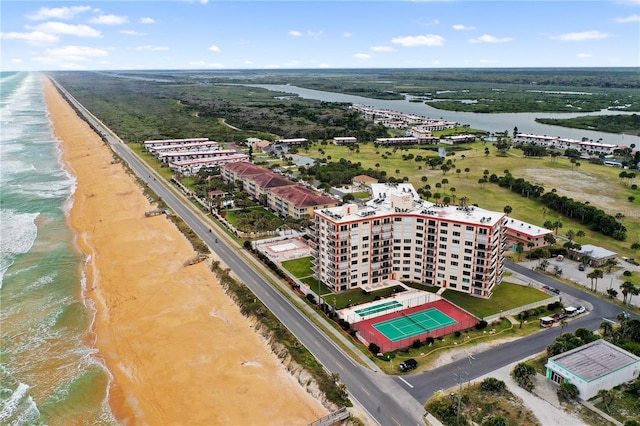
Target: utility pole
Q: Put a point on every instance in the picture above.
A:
(460, 380)
(471, 359)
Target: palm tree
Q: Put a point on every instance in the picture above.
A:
(607, 396)
(571, 234)
(626, 287)
(635, 247)
(557, 224)
(467, 170)
(563, 325)
(507, 210)
(444, 185)
(580, 234)
(609, 264)
(607, 328)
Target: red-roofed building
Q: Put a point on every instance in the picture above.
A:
(298, 201)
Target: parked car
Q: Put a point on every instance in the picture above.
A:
(571, 311)
(580, 309)
(581, 267)
(559, 316)
(408, 365)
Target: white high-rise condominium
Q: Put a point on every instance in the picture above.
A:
(399, 236)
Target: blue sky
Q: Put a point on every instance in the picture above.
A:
(115, 35)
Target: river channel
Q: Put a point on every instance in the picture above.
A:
(524, 121)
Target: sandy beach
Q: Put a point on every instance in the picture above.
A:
(177, 346)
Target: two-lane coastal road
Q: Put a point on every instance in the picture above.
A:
(378, 394)
(389, 400)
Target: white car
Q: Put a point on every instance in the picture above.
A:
(580, 310)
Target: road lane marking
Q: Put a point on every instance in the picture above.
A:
(365, 391)
(408, 384)
(397, 422)
(340, 365)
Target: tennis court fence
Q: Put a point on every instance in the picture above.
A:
(369, 335)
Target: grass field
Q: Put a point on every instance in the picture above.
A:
(299, 268)
(595, 184)
(506, 296)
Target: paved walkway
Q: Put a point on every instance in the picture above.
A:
(543, 402)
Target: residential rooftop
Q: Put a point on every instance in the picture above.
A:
(402, 198)
(595, 359)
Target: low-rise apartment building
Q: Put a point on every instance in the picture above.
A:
(587, 147)
(531, 236)
(282, 195)
(399, 236)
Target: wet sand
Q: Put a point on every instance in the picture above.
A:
(177, 346)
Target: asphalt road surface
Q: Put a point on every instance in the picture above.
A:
(388, 400)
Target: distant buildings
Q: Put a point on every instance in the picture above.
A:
(399, 236)
(598, 256)
(551, 142)
(188, 156)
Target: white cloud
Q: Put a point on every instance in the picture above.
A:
(383, 49)
(214, 48)
(486, 38)
(362, 56)
(314, 34)
(584, 35)
(16, 61)
(488, 61)
(109, 20)
(131, 33)
(584, 55)
(152, 48)
(248, 62)
(58, 13)
(631, 18)
(347, 35)
(460, 27)
(147, 21)
(324, 66)
(295, 33)
(34, 37)
(72, 53)
(421, 40)
(68, 29)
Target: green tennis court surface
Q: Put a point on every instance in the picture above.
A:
(414, 324)
(378, 308)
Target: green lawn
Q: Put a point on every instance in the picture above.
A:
(364, 195)
(254, 219)
(506, 296)
(492, 197)
(299, 268)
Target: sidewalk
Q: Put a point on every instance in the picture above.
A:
(548, 410)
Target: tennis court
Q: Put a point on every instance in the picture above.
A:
(364, 312)
(408, 325)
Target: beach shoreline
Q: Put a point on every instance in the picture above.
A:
(162, 329)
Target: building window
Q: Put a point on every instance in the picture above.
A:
(469, 228)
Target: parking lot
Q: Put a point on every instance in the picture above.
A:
(571, 270)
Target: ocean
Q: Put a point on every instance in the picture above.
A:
(49, 373)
